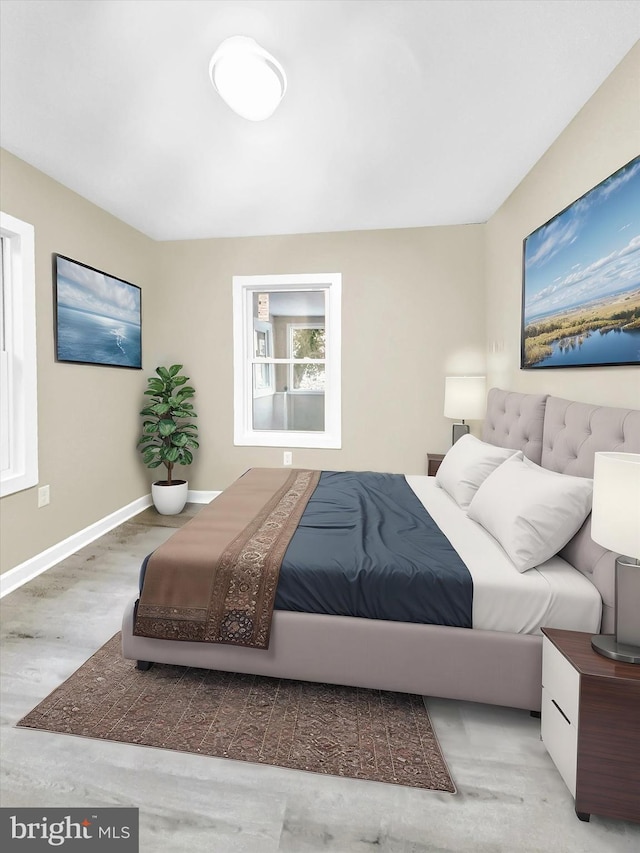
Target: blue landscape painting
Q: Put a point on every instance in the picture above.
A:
(581, 302)
(98, 317)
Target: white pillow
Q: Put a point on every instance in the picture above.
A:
(531, 511)
(467, 464)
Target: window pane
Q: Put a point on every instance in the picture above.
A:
(308, 377)
(307, 342)
(299, 412)
(262, 380)
(261, 343)
(279, 312)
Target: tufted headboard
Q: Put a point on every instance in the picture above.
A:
(573, 432)
(563, 435)
(515, 420)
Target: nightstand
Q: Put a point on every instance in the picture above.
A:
(591, 724)
(433, 463)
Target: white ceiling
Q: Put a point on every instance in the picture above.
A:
(398, 113)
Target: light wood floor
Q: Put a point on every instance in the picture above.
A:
(510, 797)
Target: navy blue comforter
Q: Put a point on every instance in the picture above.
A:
(366, 546)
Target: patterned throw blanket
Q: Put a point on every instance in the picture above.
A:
(215, 579)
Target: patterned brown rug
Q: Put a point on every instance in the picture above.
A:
(340, 731)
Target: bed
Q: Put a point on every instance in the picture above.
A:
(498, 658)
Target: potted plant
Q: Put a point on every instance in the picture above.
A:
(168, 435)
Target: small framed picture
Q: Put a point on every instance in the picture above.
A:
(98, 317)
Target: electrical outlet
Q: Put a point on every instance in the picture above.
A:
(43, 496)
(287, 458)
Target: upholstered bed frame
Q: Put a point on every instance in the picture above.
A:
(456, 663)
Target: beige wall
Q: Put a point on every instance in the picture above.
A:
(603, 137)
(412, 310)
(87, 415)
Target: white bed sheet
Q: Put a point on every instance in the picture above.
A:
(554, 594)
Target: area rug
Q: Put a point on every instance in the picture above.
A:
(339, 731)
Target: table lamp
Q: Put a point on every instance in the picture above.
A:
(615, 524)
(464, 399)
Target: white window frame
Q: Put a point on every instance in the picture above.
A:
(19, 380)
(244, 287)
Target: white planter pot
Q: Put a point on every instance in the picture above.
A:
(170, 500)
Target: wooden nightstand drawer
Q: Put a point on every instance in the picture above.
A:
(560, 737)
(561, 680)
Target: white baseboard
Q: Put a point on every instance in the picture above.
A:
(33, 567)
(201, 497)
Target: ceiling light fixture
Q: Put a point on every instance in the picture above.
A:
(247, 78)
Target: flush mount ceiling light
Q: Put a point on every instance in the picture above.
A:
(247, 78)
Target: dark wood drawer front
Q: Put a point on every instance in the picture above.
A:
(608, 777)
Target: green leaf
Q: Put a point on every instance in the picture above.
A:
(179, 439)
(175, 368)
(179, 380)
(156, 386)
(154, 464)
(163, 373)
(160, 408)
(187, 458)
(171, 454)
(166, 427)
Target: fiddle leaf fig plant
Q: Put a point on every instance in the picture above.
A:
(168, 434)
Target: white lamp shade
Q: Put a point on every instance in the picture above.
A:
(247, 78)
(615, 515)
(465, 397)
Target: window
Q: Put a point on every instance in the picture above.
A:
(18, 379)
(287, 360)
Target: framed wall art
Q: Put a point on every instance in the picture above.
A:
(98, 317)
(581, 280)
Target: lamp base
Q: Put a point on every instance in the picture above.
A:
(458, 431)
(624, 645)
(607, 645)
(627, 627)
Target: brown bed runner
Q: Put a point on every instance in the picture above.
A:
(215, 579)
